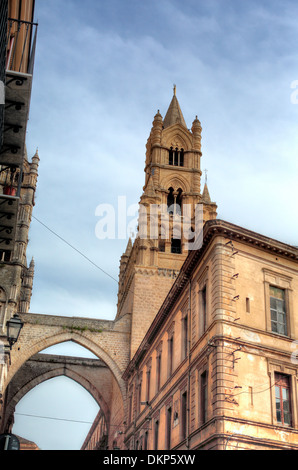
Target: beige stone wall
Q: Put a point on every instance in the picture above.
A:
(151, 288)
(237, 349)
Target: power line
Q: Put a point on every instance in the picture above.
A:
(55, 419)
(74, 248)
(82, 254)
(255, 393)
(64, 419)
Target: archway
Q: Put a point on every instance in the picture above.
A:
(107, 340)
(96, 342)
(43, 367)
(57, 414)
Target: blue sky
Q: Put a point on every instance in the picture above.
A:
(102, 70)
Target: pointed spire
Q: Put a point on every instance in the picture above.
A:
(158, 116)
(174, 114)
(35, 163)
(36, 156)
(206, 196)
(32, 265)
(150, 191)
(129, 247)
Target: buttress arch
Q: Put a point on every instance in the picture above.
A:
(67, 371)
(23, 354)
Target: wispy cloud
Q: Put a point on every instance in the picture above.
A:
(102, 71)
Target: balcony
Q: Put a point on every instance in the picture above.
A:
(20, 52)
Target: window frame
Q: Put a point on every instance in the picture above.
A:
(183, 413)
(203, 397)
(158, 363)
(283, 382)
(202, 316)
(176, 156)
(156, 433)
(280, 281)
(170, 351)
(184, 336)
(280, 310)
(169, 419)
(176, 246)
(148, 380)
(292, 374)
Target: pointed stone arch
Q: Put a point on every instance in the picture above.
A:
(108, 340)
(176, 182)
(177, 136)
(21, 389)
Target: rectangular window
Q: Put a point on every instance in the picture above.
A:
(278, 310)
(169, 428)
(148, 385)
(185, 337)
(170, 356)
(247, 305)
(146, 440)
(162, 246)
(139, 396)
(156, 432)
(204, 397)
(183, 415)
(282, 399)
(175, 245)
(158, 371)
(204, 308)
(130, 408)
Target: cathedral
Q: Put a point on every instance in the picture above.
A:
(202, 353)
(212, 323)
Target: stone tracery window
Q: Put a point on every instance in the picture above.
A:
(176, 156)
(174, 201)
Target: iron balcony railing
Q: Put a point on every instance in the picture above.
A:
(3, 44)
(21, 44)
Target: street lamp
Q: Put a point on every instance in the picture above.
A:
(14, 326)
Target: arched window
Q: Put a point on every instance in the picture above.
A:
(179, 202)
(176, 157)
(171, 156)
(176, 160)
(181, 157)
(163, 236)
(170, 201)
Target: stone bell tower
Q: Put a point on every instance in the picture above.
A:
(171, 194)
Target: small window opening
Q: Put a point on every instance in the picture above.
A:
(170, 201)
(176, 246)
(179, 202)
(181, 157)
(176, 157)
(171, 156)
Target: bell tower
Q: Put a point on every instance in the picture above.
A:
(167, 212)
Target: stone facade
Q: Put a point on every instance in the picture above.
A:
(207, 374)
